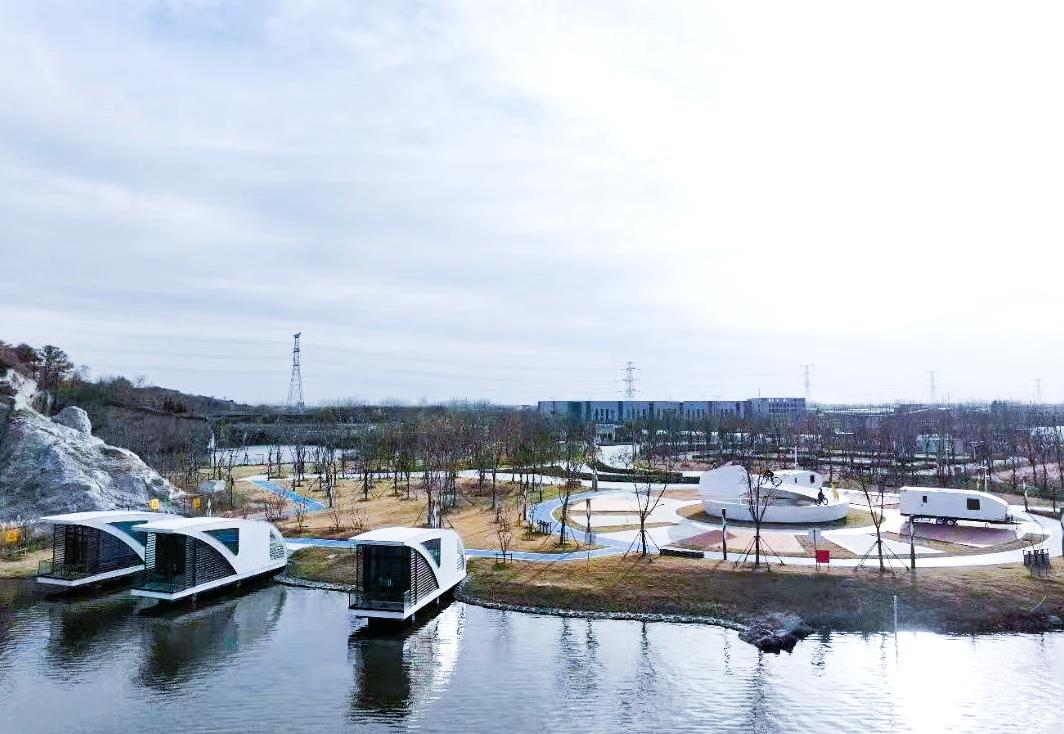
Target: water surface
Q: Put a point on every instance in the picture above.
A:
(285, 659)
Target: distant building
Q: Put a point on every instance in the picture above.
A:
(622, 411)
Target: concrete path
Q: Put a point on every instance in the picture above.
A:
(620, 494)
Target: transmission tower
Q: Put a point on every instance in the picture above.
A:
(295, 385)
(629, 381)
(931, 385)
(1038, 391)
(807, 375)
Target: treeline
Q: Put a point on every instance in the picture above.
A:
(163, 427)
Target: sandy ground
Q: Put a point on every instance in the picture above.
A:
(25, 566)
(473, 517)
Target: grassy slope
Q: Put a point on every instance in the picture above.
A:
(977, 600)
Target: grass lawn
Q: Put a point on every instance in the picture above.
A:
(962, 601)
(332, 565)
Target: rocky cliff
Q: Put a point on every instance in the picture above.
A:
(49, 467)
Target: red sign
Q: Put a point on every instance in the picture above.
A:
(823, 556)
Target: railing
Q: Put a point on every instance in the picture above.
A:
(75, 571)
(359, 599)
(152, 580)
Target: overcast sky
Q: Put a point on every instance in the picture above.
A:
(507, 201)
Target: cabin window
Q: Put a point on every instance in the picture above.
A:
(812, 478)
(385, 571)
(973, 504)
(127, 528)
(170, 554)
(925, 499)
(229, 537)
(433, 547)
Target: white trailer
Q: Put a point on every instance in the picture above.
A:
(951, 505)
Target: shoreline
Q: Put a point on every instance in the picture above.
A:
(971, 601)
(982, 601)
(461, 595)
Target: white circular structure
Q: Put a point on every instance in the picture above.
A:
(794, 500)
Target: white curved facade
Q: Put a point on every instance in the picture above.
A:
(190, 555)
(794, 499)
(89, 547)
(400, 570)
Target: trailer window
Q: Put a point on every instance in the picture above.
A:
(812, 478)
(925, 499)
(973, 504)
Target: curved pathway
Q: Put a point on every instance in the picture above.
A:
(544, 512)
(309, 502)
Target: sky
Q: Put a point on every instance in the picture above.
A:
(509, 201)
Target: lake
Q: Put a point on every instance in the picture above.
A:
(285, 659)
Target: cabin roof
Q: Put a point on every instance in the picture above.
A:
(75, 518)
(398, 535)
(180, 524)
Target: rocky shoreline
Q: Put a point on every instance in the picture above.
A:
(773, 633)
(461, 595)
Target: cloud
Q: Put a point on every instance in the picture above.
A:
(721, 192)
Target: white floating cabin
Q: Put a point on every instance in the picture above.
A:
(399, 570)
(189, 555)
(89, 547)
(951, 505)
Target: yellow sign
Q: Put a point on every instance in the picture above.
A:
(153, 504)
(11, 535)
(195, 503)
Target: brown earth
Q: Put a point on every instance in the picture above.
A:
(1002, 598)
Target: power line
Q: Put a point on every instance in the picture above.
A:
(629, 381)
(295, 385)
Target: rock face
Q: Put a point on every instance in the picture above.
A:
(74, 417)
(51, 467)
(776, 632)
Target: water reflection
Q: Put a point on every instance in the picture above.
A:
(182, 644)
(277, 659)
(84, 630)
(399, 670)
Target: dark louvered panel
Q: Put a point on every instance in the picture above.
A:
(423, 580)
(58, 545)
(116, 554)
(210, 565)
(149, 552)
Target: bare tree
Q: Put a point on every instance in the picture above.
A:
(577, 445)
(273, 509)
(299, 513)
(872, 481)
(760, 495)
(651, 471)
(504, 530)
(336, 517)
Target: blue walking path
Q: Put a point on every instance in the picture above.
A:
(308, 502)
(543, 511)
